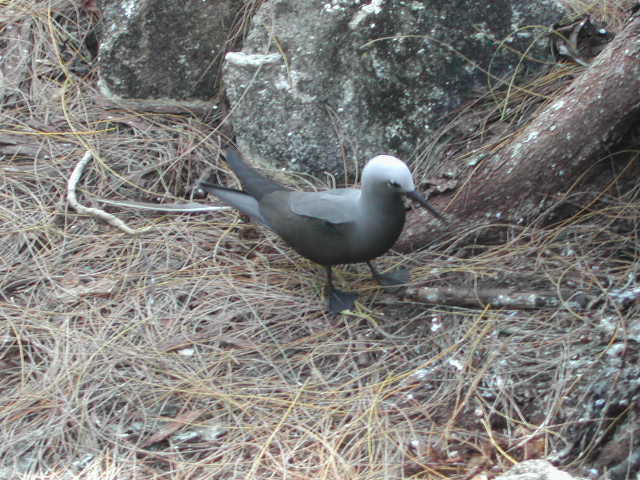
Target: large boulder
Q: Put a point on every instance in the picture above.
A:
(535, 470)
(323, 84)
(159, 49)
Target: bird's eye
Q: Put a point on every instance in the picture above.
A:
(394, 185)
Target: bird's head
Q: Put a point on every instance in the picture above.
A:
(386, 174)
(391, 173)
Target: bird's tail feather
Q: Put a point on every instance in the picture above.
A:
(237, 199)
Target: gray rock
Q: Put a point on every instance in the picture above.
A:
(535, 470)
(319, 82)
(155, 49)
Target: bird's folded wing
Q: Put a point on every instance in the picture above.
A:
(334, 206)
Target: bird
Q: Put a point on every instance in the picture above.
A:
(332, 227)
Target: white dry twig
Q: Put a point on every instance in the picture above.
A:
(95, 212)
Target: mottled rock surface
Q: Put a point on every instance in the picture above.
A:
(153, 49)
(535, 470)
(326, 83)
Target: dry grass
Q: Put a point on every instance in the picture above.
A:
(187, 353)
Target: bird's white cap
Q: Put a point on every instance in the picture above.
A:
(386, 168)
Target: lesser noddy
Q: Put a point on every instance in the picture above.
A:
(345, 225)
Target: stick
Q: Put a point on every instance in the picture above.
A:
(94, 212)
(497, 298)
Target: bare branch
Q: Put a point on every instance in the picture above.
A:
(497, 298)
(94, 212)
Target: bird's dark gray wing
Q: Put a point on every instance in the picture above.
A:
(333, 206)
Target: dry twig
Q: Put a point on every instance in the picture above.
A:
(95, 212)
(496, 297)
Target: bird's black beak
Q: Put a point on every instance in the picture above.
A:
(415, 195)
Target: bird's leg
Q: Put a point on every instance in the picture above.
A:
(391, 279)
(338, 300)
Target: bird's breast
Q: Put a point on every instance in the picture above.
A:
(377, 235)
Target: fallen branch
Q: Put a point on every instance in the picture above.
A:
(498, 298)
(94, 212)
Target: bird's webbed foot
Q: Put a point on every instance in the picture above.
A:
(340, 300)
(390, 279)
